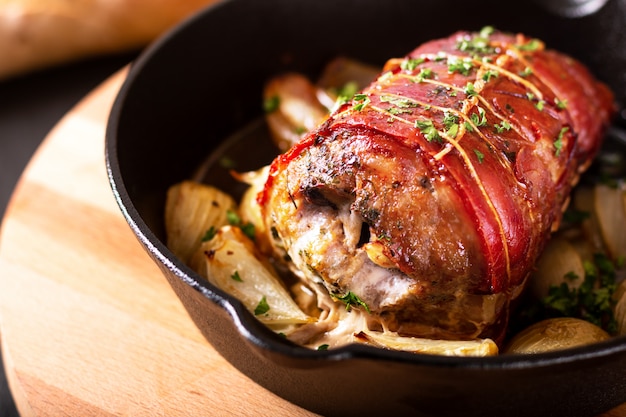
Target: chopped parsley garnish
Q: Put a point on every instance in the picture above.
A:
(462, 66)
(425, 73)
(503, 126)
(397, 101)
(540, 105)
(271, 104)
(396, 111)
(410, 64)
(526, 72)
(489, 74)
(479, 155)
(560, 104)
(428, 129)
(450, 119)
(209, 234)
(399, 105)
(476, 44)
(362, 101)
(470, 90)
(346, 92)
(558, 143)
(480, 118)
(262, 308)
(451, 122)
(591, 300)
(453, 130)
(234, 220)
(532, 45)
(573, 216)
(236, 277)
(351, 300)
(323, 347)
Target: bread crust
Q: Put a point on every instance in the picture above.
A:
(36, 34)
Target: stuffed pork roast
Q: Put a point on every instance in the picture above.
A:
(430, 194)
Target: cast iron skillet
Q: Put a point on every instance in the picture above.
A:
(202, 82)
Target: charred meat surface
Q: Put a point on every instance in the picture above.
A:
(430, 194)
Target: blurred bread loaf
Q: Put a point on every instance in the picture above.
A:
(35, 34)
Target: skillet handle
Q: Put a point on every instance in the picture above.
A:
(572, 8)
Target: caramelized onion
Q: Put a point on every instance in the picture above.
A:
(559, 259)
(610, 210)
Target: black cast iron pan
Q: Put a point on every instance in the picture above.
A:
(202, 82)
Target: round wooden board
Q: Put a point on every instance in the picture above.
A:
(89, 326)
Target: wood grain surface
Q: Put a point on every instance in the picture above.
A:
(89, 326)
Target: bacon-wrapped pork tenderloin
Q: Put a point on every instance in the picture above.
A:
(429, 196)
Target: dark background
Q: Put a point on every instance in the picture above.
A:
(30, 106)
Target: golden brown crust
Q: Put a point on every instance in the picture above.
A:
(36, 34)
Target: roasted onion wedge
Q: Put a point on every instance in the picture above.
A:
(559, 260)
(482, 347)
(292, 108)
(294, 105)
(342, 78)
(249, 210)
(231, 262)
(191, 210)
(610, 210)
